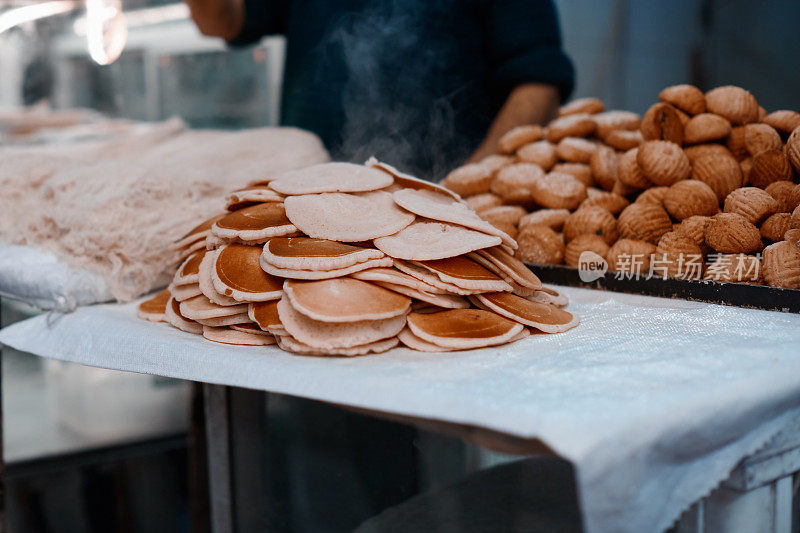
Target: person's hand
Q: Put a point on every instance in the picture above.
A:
(533, 103)
(218, 18)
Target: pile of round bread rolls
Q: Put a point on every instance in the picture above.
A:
(711, 175)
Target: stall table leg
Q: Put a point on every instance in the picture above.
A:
(236, 444)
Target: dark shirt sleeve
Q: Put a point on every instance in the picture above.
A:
(525, 46)
(261, 17)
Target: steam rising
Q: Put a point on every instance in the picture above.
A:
(391, 108)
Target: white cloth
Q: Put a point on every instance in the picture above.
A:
(655, 401)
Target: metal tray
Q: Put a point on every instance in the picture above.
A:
(719, 292)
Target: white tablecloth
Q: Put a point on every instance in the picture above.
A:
(655, 401)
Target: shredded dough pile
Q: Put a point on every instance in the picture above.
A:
(115, 206)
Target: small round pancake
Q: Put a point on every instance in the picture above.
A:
(202, 308)
(249, 327)
(264, 314)
(254, 223)
(197, 233)
(524, 334)
(408, 338)
(305, 253)
(423, 274)
(465, 273)
(344, 300)
(424, 241)
(207, 286)
(347, 217)
(239, 338)
(463, 329)
(330, 177)
(222, 321)
(290, 344)
(250, 196)
(154, 308)
(189, 270)
(324, 274)
(436, 206)
(396, 277)
(481, 260)
(407, 181)
(549, 296)
(184, 292)
(336, 335)
(176, 319)
(447, 301)
(512, 266)
(237, 273)
(544, 317)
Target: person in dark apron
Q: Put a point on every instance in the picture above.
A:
(423, 85)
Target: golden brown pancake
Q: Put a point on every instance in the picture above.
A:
(305, 253)
(290, 344)
(512, 266)
(226, 335)
(190, 269)
(463, 328)
(264, 314)
(344, 300)
(465, 273)
(253, 223)
(408, 338)
(336, 335)
(237, 273)
(176, 319)
(544, 317)
(154, 308)
(516, 288)
(205, 282)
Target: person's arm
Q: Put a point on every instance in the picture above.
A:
(240, 22)
(530, 71)
(218, 18)
(531, 103)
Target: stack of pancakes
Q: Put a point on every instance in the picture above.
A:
(344, 259)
